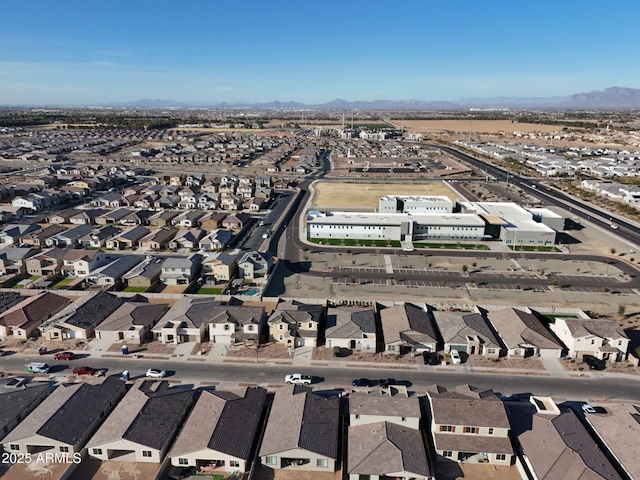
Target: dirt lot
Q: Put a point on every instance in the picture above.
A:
(269, 474)
(271, 350)
(469, 471)
(477, 126)
(97, 470)
(503, 362)
(323, 353)
(336, 194)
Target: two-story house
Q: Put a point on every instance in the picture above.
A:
(180, 270)
(80, 263)
(602, 338)
(469, 425)
(295, 324)
(237, 324)
(255, 266)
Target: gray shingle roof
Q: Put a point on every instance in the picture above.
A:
(93, 311)
(70, 423)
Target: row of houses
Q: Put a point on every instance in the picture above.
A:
(218, 432)
(399, 330)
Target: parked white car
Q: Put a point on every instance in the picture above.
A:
(155, 373)
(455, 357)
(298, 379)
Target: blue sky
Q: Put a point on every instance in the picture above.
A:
(70, 52)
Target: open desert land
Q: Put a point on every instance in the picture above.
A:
(342, 194)
(475, 126)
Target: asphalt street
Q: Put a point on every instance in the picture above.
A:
(593, 386)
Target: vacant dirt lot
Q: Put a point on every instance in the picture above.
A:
(477, 126)
(337, 194)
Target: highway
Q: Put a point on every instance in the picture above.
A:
(552, 196)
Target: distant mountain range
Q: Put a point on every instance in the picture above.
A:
(609, 98)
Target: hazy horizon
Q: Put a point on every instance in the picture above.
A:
(77, 53)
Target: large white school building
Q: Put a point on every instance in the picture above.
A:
(475, 221)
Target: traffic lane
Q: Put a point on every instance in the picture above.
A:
(595, 386)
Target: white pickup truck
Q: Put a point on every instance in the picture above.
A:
(298, 379)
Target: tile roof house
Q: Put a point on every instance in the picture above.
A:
(557, 446)
(38, 238)
(386, 450)
(225, 443)
(56, 426)
(69, 237)
(179, 270)
(18, 398)
(602, 338)
(255, 265)
(110, 274)
(236, 324)
(143, 425)
(187, 238)
(407, 329)
(186, 321)
(351, 328)
(158, 239)
(13, 260)
(295, 324)
(469, 425)
(145, 274)
(302, 432)
(221, 266)
(621, 417)
(216, 240)
(128, 238)
(468, 333)
(79, 319)
(81, 263)
(131, 322)
(24, 318)
(523, 334)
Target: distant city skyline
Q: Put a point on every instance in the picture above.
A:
(85, 53)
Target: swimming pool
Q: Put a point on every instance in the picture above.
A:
(250, 292)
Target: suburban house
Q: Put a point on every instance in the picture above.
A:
(56, 425)
(236, 324)
(407, 329)
(226, 441)
(80, 263)
(179, 270)
(469, 425)
(98, 238)
(255, 265)
(351, 328)
(18, 398)
(11, 234)
(143, 425)
(24, 318)
(221, 266)
(236, 221)
(86, 217)
(158, 239)
(621, 417)
(295, 324)
(144, 275)
(139, 217)
(212, 221)
(302, 432)
(112, 217)
(70, 237)
(186, 321)
(13, 259)
(111, 273)
(163, 218)
(468, 333)
(131, 322)
(128, 239)
(38, 238)
(523, 334)
(216, 240)
(46, 263)
(385, 438)
(553, 442)
(188, 219)
(187, 238)
(604, 339)
(79, 319)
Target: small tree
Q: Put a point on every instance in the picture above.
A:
(613, 251)
(621, 310)
(464, 269)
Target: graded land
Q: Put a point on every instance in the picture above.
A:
(366, 195)
(475, 126)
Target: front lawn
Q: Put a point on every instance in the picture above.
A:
(453, 246)
(135, 289)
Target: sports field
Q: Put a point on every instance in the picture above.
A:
(339, 194)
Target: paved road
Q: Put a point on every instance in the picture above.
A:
(593, 386)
